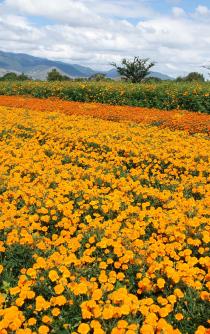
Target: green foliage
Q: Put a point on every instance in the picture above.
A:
(134, 70)
(194, 310)
(193, 76)
(152, 80)
(11, 76)
(97, 77)
(167, 95)
(16, 257)
(54, 75)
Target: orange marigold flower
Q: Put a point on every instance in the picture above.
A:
(179, 316)
(147, 329)
(83, 328)
(97, 294)
(178, 293)
(43, 329)
(53, 275)
(59, 289)
(32, 321)
(161, 283)
(122, 324)
(201, 330)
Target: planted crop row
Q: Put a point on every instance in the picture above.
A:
(167, 96)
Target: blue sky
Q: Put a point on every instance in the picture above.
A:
(188, 5)
(95, 32)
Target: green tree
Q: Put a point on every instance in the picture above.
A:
(193, 76)
(98, 77)
(10, 76)
(23, 77)
(134, 70)
(54, 75)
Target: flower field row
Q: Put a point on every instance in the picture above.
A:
(104, 225)
(176, 119)
(169, 95)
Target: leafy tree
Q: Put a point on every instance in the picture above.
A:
(54, 75)
(11, 76)
(134, 70)
(98, 77)
(23, 77)
(193, 76)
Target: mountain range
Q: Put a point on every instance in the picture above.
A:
(37, 68)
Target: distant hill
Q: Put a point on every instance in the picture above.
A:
(113, 74)
(37, 68)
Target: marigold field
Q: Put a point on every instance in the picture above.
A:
(104, 219)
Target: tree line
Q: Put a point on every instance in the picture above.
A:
(134, 70)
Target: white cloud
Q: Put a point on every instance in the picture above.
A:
(85, 10)
(88, 32)
(68, 11)
(202, 10)
(178, 11)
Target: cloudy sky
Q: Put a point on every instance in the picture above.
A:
(174, 33)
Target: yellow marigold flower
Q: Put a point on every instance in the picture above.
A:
(162, 301)
(83, 328)
(201, 330)
(41, 304)
(23, 331)
(97, 294)
(178, 293)
(160, 283)
(120, 276)
(133, 327)
(95, 324)
(55, 311)
(98, 331)
(60, 300)
(31, 272)
(107, 312)
(15, 290)
(172, 299)
(59, 289)
(32, 321)
(163, 312)
(19, 301)
(46, 319)
(122, 324)
(147, 329)
(179, 316)
(53, 275)
(205, 295)
(43, 329)
(116, 330)
(103, 265)
(30, 294)
(92, 240)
